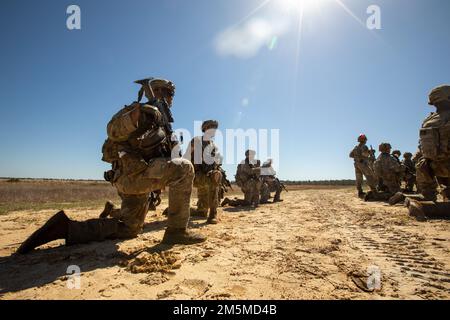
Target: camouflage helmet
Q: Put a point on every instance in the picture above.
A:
(163, 84)
(267, 163)
(397, 152)
(439, 94)
(250, 152)
(362, 138)
(407, 155)
(155, 84)
(209, 124)
(385, 147)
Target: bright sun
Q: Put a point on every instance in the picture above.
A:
(295, 5)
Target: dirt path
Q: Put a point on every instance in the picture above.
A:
(317, 244)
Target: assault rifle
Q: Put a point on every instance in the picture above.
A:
(154, 200)
(282, 185)
(225, 182)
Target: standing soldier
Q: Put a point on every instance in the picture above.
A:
(139, 146)
(410, 176)
(204, 154)
(247, 178)
(361, 155)
(433, 168)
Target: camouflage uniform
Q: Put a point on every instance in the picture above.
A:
(433, 168)
(361, 155)
(134, 186)
(397, 154)
(433, 165)
(247, 178)
(410, 175)
(208, 176)
(138, 147)
(416, 158)
(387, 167)
(269, 183)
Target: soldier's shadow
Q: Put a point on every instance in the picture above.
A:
(238, 209)
(44, 266)
(446, 217)
(194, 222)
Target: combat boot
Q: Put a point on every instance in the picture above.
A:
(429, 195)
(55, 228)
(212, 219)
(369, 196)
(416, 210)
(182, 236)
(109, 207)
(277, 198)
(397, 198)
(422, 209)
(446, 194)
(198, 212)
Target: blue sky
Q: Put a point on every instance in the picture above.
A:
(60, 87)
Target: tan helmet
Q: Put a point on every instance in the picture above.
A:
(439, 94)
(149, 85)
(407, 155)
(250, 152)
(267, 163)
(385, 147)
(165, 86)
(209, 124)
(397, 152)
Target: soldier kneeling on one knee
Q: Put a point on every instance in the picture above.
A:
(144, 158)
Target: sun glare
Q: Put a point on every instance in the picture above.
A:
(296, 5)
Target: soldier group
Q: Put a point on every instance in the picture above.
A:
(256, 182)
(146, 157)
(428, 169)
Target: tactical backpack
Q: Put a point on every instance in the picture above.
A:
(435, 142)
(110, 151)
(110, 148)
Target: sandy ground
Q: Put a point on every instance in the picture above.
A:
(317, 244)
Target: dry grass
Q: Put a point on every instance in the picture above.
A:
(39, 194)
(29, 194)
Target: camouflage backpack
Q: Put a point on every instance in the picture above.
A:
(435, 141)
(110, 151)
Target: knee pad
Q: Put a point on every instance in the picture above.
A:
(183, 166)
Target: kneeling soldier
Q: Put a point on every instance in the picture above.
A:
(139, 146)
